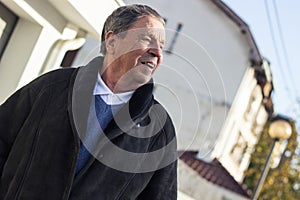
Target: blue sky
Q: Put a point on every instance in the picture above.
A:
(283, 35)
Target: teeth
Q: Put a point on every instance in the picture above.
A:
(148, 64)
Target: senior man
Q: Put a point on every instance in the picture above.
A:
(94, 132)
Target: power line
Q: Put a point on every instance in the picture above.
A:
(273, 39)
(278, 57)
(294, 108)
(284, 49)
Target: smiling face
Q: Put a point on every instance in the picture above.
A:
(131, 60)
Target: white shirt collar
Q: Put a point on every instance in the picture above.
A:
(108, 96)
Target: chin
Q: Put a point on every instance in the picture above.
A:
(142, 80)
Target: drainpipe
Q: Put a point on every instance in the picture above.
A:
(59, 50)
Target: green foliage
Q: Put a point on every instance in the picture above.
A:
(282, 182)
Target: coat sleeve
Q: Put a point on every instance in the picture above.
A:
(13, 113)
(163, 183)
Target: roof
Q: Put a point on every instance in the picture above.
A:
(255, 56)
(213, 172)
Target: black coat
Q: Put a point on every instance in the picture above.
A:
(40, 125)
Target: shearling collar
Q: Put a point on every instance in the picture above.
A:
(82, 97)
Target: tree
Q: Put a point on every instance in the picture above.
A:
(282, 182)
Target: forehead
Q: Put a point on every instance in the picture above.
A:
(148, 22)
(148, 25)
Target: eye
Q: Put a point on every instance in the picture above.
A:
(146, 38)
(162, 46)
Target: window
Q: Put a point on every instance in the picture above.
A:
(253, 105)
(174, 39)
(8, 21)
(239, 149)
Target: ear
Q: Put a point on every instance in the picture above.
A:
(110, 40)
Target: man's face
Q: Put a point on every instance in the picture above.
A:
(139, 53)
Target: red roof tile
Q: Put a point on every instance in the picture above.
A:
(213, 172)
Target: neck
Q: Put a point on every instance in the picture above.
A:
(113, 79)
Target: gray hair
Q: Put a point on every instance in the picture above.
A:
(123, 18)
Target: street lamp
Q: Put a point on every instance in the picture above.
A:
(279, 129)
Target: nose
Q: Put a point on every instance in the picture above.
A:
(155, 50)
(156, 53)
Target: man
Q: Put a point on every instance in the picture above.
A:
(94, 132)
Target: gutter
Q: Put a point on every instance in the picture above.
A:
(59, 49)
(120, 3)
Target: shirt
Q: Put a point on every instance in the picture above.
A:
(108, 96)
(105, 110)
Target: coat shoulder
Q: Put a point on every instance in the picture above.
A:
(168, 128)
(59, 77)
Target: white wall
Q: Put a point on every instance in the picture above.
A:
(199, 81)
(40, 25)
(16, 56)
(88, 14)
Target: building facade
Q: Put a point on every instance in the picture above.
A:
(35, 35)
(215, 84)
(213, 81)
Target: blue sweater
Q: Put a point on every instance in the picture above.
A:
(104, 115)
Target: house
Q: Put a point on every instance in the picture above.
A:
(35, 35)
(214, 82)
(198, 178)
(216, 86)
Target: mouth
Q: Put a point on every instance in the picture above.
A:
(149, 64)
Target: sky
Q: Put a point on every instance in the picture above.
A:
(275, 25)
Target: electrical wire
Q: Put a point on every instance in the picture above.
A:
(278, 57)
(294, 107)
(284, 49)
